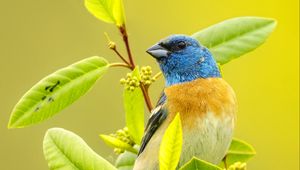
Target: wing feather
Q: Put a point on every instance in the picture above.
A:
(158, 115)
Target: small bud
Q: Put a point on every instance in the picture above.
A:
(120, 132)
(131, 88)
(118, 151)
(125, 129)
(148, 68)
(112, 45)
(147, 82)
(128, 75)
(123, 81)
(135, 78)
(143, 70)
(131, 83)
(238, 166)
(137, 84)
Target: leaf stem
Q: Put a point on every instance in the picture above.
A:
(120, 65)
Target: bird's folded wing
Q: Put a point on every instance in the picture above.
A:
(158, 115)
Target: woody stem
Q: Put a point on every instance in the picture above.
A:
(131, 65)
(126, 42)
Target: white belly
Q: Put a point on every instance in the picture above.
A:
(209, 141)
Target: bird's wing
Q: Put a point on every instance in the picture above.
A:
(158, 115)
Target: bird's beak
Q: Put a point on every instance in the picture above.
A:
(157, 51)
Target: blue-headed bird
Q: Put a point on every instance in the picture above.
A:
(194, 89)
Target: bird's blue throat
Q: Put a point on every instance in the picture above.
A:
(205, 67)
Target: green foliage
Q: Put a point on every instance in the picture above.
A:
(57, 91)
(198, 164)
(111, 11)
(126, 161)
(171, 145)
(65, 150)
(239, 151)
(234, 37)
(117, 143)
(134, 109)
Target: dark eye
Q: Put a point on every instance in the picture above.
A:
(181, 45)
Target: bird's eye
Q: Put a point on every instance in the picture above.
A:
(181, 45)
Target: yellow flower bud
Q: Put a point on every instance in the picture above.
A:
(148, 68)
(112, 45)
(123, 81)
(128, 75)
(147, 82)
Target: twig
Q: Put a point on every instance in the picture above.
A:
(120, 65)
(125, 39)
(131, 65)
(121, 57)
(157, 75)
(225, 163)
(146, 97)
(112, 46)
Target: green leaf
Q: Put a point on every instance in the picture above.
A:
(57, 91)
(65, 150)
(116, 143)
(197, 164)
(125, 161)
(171, 144)
(134, 108)
(234, 37)
(111, 11)
(239, 151)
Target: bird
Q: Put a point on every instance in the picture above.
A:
(195, 89)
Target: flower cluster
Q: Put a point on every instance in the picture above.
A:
(238, 166)
(130, 82)
(123, 135)
(146, 73)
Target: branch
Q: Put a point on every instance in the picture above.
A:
(125, 39)
(121, 57)
(157, 75)
(225, 162)
(131, 65)
(119, 65)
(146, 97)
(112, 46)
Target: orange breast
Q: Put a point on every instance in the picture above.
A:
(197, 98)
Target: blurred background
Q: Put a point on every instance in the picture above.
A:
(38, 37)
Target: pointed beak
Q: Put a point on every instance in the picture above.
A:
(157, 51)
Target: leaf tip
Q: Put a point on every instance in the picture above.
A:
(102, 136)
(12, 124)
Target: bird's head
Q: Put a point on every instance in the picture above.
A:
(182, 59)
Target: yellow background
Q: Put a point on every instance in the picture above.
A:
(39, 36)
